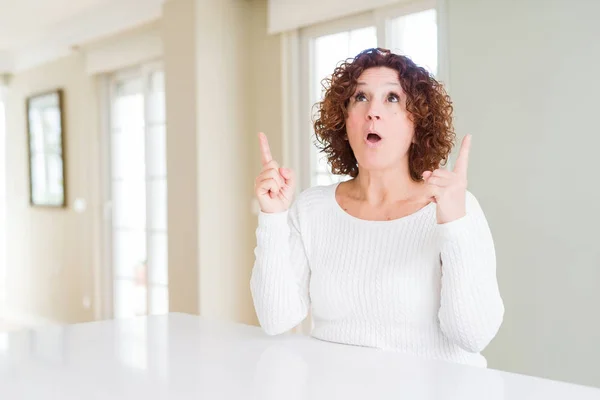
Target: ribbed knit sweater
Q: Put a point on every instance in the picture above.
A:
(409, 285)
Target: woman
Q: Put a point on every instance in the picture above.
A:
(400, 257)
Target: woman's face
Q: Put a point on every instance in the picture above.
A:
(378, 126)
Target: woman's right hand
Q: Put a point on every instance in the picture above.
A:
(274, 186)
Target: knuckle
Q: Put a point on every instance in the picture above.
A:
(269, 173)
(275, 175)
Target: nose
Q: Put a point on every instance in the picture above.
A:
(374, 113)
(373, 116)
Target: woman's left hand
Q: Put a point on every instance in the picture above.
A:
(448, 188)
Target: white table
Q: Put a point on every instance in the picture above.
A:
(186, 357)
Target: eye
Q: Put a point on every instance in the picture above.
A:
(393, 98)
(360, 96)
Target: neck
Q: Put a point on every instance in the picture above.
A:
(384, 186)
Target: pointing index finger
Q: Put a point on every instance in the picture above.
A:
(462, 162)
(265, 150)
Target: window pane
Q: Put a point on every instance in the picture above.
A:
(157, 151)
(129, 253)
(415, 35)
(128, 154)
(130, 298)
(138, 169)
(158, 273)
(128, 112)
(157, 81)
(329, 51)
(159, 300)
(324, 179)
(157, 201)
(38, 163)
(55, 177)
(362, 39)
(129, 203)
(156, 99)
(52, 132)
(128, 87)
(328, 178)
(322, 164)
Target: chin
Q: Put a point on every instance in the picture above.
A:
(378, 162)
(374, 165)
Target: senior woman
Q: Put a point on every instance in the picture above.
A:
(399, 257)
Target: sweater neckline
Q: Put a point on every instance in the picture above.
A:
(339, 210)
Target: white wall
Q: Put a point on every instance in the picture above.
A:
(124, 49)
(528, 103)
(211, 141)
(178, 31)
(523, 78)
(223, 108)
(53, 256)
(50, 252)
(223, 85)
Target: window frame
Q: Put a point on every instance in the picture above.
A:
(298, 150)
(106, 82)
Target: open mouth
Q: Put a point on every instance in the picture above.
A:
(373, 138)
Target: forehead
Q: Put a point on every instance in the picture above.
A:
(378, 76)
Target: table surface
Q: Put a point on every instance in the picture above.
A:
(180, 356)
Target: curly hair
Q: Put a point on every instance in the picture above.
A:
(428, 104)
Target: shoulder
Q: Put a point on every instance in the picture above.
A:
(471, 199)
(312, 201)
(474, 206)
(316, 195)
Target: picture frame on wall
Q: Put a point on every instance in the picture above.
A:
(46, 133)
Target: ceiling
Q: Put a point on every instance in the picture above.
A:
(35, 31)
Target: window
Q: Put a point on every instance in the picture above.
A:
(138, 188)
(415, 35)
(409, 29)
(328, 51)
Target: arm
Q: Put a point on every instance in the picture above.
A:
(471, 309)
(280, 275)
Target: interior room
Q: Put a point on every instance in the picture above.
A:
(129, 150)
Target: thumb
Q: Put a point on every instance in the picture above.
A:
(287, 174)
(426, 175)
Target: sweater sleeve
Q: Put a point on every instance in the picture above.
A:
(280, 276)
(472, 309)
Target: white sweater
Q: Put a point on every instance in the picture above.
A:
(409, 285)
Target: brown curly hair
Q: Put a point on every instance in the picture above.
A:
(428, 104)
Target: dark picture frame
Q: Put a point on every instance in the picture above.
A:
(46, 149)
